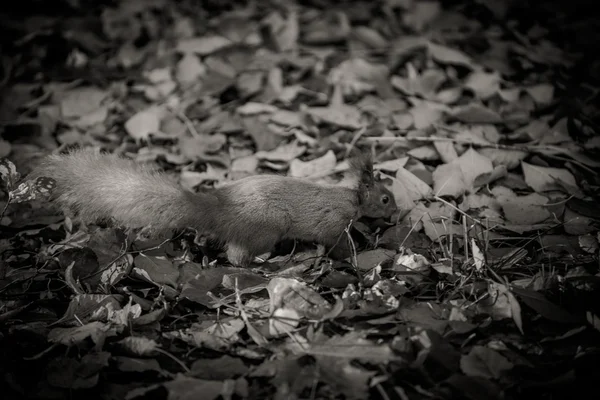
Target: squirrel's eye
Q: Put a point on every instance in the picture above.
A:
(385, 199)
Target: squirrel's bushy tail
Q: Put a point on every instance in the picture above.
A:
(98, 186)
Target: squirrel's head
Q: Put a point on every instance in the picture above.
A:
(375, 200)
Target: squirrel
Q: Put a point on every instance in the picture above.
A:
(247, 216)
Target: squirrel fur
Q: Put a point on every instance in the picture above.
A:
(248, 216)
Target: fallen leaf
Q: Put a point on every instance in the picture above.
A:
(448, 180)
(509, 158)
(330, 28)
(203, 45)
(247, 164)
(302, 169)
(483, 84)
(71, 373)
(198, 146)
(189, 69)
(254, 108)
(81, 101)
(575, 224)
(543, 179)
(291, 294)
(589, 243)
(184, 388)
(539, 303)
(129, 364)
(144, 123)
(542, 93)
(96, 331)
(287, 118)
(157, 270)
(408, 188)
(424, 116)
(525, 210)
(357, 76)
(391, 165)
(370, 37)
(342, 115)
(424, 153)
(473, 165)
(218, 369)
(421, 14)
(486, 363)
(282, 32)
(250, 82)
(283, 321)
(285, 153)
(447, 55)
(266, 140)
(474, 113)
(368, 260)
(446, 150)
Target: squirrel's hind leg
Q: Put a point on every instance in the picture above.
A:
(238, 255)
(253, 244)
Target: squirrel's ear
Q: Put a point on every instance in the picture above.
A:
(361, 163)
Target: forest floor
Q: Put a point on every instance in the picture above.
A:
(482, 118)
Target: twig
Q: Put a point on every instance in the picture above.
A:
(433, 139)
(188, 122)
(172, 357)
(5, 207)
(359, 133)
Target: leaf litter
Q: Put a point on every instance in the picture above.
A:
(484, 285)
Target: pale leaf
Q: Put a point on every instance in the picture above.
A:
(543, 179)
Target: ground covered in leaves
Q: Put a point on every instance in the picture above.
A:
(482, 119)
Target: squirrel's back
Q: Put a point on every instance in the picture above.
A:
(303, 209)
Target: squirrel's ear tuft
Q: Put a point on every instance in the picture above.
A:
(361, 164)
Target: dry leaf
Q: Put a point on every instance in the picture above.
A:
(542, 93)
(250, 82)
(483, 84)
(81, 101)
(424, 115)
(342, 115)
(474, 113)
(282, 33)
(576, 224)
(408, 188)
(421, 15)
(446, 151)
(295, 295)
(302, 169)
(189, 69)
(547, 178)
(371, 38)
(204, 45)
(285, 153)
(511, 159)
(254, 108)
(448, 180)
(357, 76)
(287, 118)
(391, 165)
(425, 153)
(146, 122)
(473, 165)
(446, 55)
(330, 28)
(525, 210)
